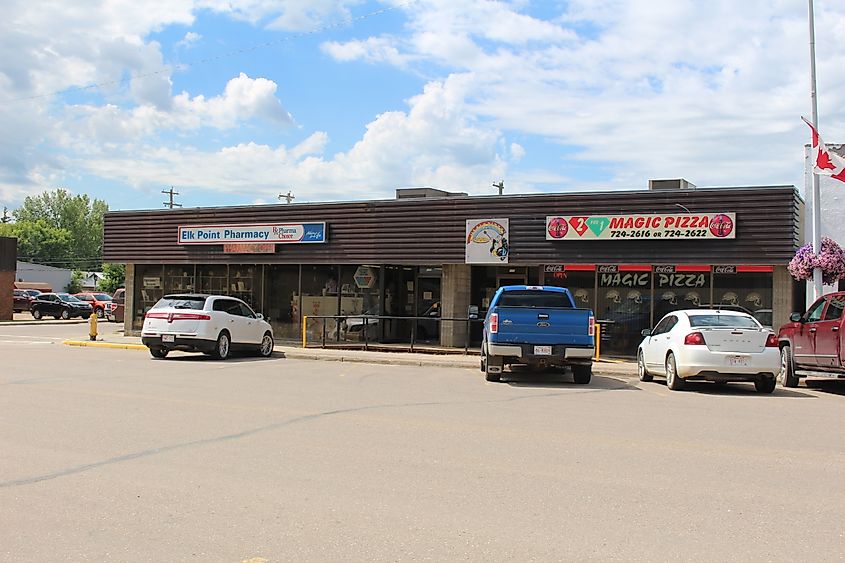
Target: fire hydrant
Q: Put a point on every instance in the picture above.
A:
(92, 326)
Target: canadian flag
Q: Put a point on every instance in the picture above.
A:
(825, 161)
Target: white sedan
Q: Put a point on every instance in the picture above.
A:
(213, 324)
(709, 344)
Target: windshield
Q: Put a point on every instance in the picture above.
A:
(723, 321)
(102, 297)
(535, 299)
(180, 302)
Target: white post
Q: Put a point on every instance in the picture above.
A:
(817, 207)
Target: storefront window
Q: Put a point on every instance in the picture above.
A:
(582, 285)
(148, 290)
(245, 283)
(623, 307)
(360, 295)
(749, 290)
(676, 289)
(213, 279)
(179, 279)
(320, 297)
(281, 301)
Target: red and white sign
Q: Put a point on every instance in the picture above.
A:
(825, 161)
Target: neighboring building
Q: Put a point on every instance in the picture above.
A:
(8, 259)
(57, 279)
(91, 281)
(631, 256)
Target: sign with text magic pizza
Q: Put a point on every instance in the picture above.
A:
(638, 227)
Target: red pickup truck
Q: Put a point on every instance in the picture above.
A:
(811, 344)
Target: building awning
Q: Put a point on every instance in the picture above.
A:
(40, 286)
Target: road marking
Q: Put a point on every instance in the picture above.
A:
(26, 342)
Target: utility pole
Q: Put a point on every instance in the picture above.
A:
(171, 204)
(500, 185)
(288, 196)
(816, 223)
(6, 217)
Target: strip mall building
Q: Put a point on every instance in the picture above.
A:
(631, 256)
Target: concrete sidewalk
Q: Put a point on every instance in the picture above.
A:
(620, 368)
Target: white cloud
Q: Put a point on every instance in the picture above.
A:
(189, 40)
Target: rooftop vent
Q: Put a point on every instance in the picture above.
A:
(409, 193)
(674, 184)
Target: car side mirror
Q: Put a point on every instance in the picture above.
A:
(259, 316)
(646, 332)
(795, 317)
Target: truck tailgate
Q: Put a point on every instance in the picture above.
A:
(544, 326)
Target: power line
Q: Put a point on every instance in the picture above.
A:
(171, 204)
(288, 196)
(207, 60)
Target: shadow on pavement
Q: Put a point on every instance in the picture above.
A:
(555, 379)
(738, 389)
(831, 386)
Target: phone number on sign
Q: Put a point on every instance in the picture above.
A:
(666, 233)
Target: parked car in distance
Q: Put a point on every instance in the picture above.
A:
(811, 343)
(538, 326)
(99, 301)
(114, 309)
(215, 325)
(22, 300)
(60, 306)
(714, 345)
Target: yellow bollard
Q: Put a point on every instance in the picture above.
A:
(598, 341)
(92, 326)
(304, 322)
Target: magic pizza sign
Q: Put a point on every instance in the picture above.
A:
(638, 227)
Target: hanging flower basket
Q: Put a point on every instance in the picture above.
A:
(831, 260)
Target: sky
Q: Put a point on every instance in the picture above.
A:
(234, 102)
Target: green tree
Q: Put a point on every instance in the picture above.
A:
(72, 225)
(114, 276)
(75, 285)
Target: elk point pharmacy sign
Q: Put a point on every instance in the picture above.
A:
(637, 227)
(277, 233)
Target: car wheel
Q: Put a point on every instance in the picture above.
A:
(582, 374)
(65, 314)
(765, 385)
(266, 349)
(787, 375)
(160, 353)
(36, 314)
(493, 367)
(642, 372)
(221, 349)
(99, 312)
(673, 382)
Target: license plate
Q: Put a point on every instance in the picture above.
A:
(542, 350)
(737, 360)
(168, 338)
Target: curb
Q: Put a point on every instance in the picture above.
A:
(43, 322)
(93, 344)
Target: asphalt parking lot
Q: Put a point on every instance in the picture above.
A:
(111, 455)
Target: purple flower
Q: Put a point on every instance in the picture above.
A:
(831, 260)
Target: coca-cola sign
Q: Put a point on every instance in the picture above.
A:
(664, 269)
(724, 269)
(607, 269)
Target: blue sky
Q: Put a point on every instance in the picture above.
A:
(233, 102)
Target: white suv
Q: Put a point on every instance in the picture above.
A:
(212, 324)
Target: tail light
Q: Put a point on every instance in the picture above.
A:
(772, 340)
(694, 339)
(494, 323)
(170, 317)
(591, 331)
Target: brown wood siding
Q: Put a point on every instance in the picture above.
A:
(431, 231)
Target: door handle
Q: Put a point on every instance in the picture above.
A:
(812, 330)
(835, 329)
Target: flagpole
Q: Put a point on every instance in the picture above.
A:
(817, 208)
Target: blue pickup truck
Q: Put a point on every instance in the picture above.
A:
(538, 326)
